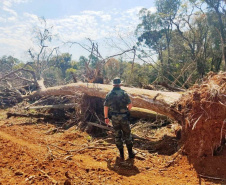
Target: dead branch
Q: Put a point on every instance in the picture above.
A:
(55, 130)
(59, 106)
(119, 54)
(51, 156)
(94, 51)
(47, 116)
(209, 177)
(91, 147)
(175, 157)
(101, 126)
(110, 128)
(79, 150)
(22, 69)
(189, 78)
(184, 69)
(13, 88)
(46, 175)
(41, 84)
(171, 88)
(60, 148)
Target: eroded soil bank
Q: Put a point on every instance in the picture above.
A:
(204, 127)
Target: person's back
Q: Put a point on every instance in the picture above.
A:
(117, 100)
(116, 107)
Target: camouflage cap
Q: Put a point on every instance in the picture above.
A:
(117, 81)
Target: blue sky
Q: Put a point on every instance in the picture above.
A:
(107, 22)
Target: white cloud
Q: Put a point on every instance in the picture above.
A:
(9, 3)
(152, 9)
(2, 19)
(88, 12)
(30, 17)
(133, 11)
(21, 1)
(12, 42)
(17, 32)
(101, 14)
(14, 18)
(106, 17)
(11, 11)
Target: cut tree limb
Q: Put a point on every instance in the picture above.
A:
(110, 128)
(101, 126)
(59, 106)
(41, 84)
(47, 116)
(158, 101)
(46, 175)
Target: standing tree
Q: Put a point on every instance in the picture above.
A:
(167, 10)
(218, 6)
(155, 31)
(150, 34)
(42, 53)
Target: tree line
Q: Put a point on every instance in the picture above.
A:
(187, 36)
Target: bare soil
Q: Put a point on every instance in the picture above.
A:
(31, 154)
(204, 129)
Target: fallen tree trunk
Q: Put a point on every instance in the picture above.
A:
(59, 106)
(158, 101)
(135, 112)
(46, 116)
(146, 114)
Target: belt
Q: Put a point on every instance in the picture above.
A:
(117, 113)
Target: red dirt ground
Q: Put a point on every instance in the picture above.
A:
(28, 155)
(204, 109)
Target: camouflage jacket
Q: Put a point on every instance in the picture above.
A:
(117, 101)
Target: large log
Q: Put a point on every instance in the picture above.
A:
(146, 114)
(59, 106)
(158, 101)
(46, 116)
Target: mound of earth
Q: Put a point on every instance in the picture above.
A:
(204, 126)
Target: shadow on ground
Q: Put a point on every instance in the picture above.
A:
(211, 168)
(123, 167)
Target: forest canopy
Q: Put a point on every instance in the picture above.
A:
(176, 45)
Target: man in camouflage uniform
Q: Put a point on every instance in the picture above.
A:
(116, 107)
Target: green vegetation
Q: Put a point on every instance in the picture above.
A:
(187, 38)
(89, 138)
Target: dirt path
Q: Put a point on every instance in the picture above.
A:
(16, 140)
(28, 155)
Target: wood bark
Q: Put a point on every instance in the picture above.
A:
(59, 106)
(46, 116)
(158, 101)
(146, 114)
(135, 112)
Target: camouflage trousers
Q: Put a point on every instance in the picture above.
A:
(122, 129)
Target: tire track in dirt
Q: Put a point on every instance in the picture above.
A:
(22, 142)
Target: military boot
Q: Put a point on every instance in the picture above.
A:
(121, 151)
(131, 153)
